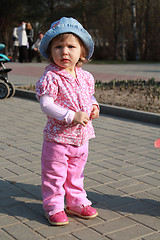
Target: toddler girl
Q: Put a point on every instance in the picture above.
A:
(65, 92)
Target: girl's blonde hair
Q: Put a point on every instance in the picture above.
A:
(64, 36)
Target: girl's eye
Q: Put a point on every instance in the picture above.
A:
(58, 47)
(71, 46)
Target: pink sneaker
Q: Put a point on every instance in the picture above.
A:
(57, 219)
(82, 211)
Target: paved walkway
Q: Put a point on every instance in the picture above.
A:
(28, 73)
(121, 178)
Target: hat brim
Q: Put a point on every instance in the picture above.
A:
(52, 33)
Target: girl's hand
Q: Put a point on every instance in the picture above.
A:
(95, 112)
(81, 118)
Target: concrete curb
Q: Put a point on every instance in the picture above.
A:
(25, 94)
(130, 114)
(136, 115)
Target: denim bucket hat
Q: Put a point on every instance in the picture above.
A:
(66, 25)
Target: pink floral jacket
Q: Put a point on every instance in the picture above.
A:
(70, 93)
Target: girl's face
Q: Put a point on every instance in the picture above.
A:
(66, 52)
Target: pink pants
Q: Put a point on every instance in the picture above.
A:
(62, 175)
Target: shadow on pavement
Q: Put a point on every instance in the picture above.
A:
(23, 201)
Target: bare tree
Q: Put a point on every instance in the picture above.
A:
(116, 28)
(84, 13)
(147, 28)
(134, 30)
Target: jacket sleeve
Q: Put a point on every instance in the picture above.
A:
(54, 111)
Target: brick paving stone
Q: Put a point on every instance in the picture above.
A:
(105, 189)
(37, 223)
(136, 207)
(23, 178)
(92, 169)
(14, 193)
(152, 199)
(134, 232)
(90, 222)
(146, 220)
(123, 183)
(73, 225)
(114, 202)
(149, 166)
(106, 214)
(9, 220)
(5, 236)
(17, 170)
(21, 211)
(155, 175)
(148, 180)
(113, 225)
(95, 196)
(116, 161)
(127, 169)
(90, 183)
(107, 165)
(155, 191)
(138, 172)
(114, 175)
(20, 231)
(156, 163)
(100, 178)
(155, 236)
(66, 237)
(155, 212)
(94, 156)
(140, 187)
(88, 234)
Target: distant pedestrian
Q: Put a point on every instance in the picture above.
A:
(35, 48)
(30, 36)
(65, 92)
(15, 44)
(23, 42)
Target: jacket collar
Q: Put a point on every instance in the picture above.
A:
(61, 71)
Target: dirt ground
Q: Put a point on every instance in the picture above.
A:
(132, 98)
(147, 99)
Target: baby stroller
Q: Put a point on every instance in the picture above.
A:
(7, 89)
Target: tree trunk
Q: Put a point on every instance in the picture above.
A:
(84, 13)
(115, 30)
(147, 29)
(134, 30)
(51, 6)
(123, 46)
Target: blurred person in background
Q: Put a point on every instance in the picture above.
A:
(35, 47)
(15, 44)
(30, 35)
(23, 42)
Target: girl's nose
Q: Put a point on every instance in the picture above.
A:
(65, 50)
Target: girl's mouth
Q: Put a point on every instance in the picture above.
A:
(65, 60)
